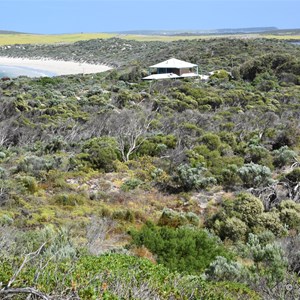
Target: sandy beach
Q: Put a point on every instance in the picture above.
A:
(54, 66)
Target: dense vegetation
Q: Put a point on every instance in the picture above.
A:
(115, 188)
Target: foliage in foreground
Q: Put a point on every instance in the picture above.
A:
(118, 276)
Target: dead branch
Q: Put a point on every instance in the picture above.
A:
(27, 258)
(26, 290)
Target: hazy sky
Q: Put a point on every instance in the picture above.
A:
(69, 16)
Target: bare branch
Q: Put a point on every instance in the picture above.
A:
(26, 290)
(130, 128)
(27, 258)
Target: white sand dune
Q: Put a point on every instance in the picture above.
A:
(54, 66)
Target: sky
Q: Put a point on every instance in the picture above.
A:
(74, 16)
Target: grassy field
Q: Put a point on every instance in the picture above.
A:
(281, 37)
(10, 39)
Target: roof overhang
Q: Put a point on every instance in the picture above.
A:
(174, 63)
(161, 76)
(170, 76)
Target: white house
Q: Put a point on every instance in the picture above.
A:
(172, 68)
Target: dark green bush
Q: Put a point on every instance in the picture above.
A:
(181, 249)
(100, 153)
(156, 145)
(212, 141)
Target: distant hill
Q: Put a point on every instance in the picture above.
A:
(10, 32)
(294, 31)
(201, 32)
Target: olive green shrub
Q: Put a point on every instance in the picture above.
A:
(100, 153)
(176, 219)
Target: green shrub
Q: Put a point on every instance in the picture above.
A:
(190, 178)
(182, 249)
(289, 204)
(270, 221)
(266, 82)
(36, 166)
(233, 229)
(55, 145)
(254, 175)
(268, 259)
(290, 214)
(247, 208)
(6, 219)
(229, 176)
(44, 81)
(290, 217)
(192, 218)
(283, 156)
(131, 184)
(245, 214)
(156, 145)
(229, 138)
(259, 155)
(204, 156)
(124, 215)
(211, 140)
(29, 183)
(100, 153)
(223, 269)
(222, 75)
(176, 219)
(69, 199)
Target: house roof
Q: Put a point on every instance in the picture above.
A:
(174, 63)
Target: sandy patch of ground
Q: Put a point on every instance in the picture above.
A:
(54, 66)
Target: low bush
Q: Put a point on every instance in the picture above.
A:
(176, 219)
(197, 177)
(69, 199)
(182, 249)
(100, 153)
(131, 184)
(254, 175)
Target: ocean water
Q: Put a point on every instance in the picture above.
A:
(14, 71)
